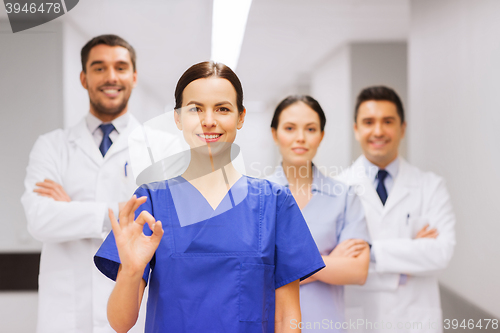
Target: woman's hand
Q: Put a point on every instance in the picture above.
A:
(350, 248)
(135, 248)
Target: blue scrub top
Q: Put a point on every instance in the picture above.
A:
(334, 214)
(219, 274)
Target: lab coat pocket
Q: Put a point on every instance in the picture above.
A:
(414, 224)
(56, 295)
(256, 292)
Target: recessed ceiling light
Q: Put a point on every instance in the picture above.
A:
(229, 19)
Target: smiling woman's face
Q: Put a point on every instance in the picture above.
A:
(209, 114)
(298, 134)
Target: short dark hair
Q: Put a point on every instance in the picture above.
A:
(306, 99)
(379, 93)
(110, 40)
(205, 70)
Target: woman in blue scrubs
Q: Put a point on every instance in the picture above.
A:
(221, 252)
(332, 210)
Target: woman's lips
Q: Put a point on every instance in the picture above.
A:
(300, 150)
(209, 137)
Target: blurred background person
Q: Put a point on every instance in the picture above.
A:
(74, 176)
(409, 216)
(332, 211)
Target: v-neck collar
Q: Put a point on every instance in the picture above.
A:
(320, 182)
(192, 206)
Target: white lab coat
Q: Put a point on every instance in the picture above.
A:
(416, 198)
(73, 294)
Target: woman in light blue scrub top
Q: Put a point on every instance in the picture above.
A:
(331, 209)
(221, 252)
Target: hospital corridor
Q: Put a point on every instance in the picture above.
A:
(340, 155)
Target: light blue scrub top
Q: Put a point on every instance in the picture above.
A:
(334, 214)
(217, 270)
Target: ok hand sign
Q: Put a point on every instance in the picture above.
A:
(134, 247)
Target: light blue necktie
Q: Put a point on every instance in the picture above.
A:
(106, 141)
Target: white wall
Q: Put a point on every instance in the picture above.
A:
(331, 87)
(18, 311)
(259, 153)
(31, 104)
(75, 97)
(454, 71)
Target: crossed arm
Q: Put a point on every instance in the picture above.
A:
(346, 264)
(349, 261)
(432, 248)
(52, 215)
(50, 189)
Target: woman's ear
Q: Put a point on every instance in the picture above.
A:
(275, 135)
(241, 118)
(177, 117)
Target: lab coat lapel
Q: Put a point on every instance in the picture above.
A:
(81, 136)
(364, 186)
(401, 187)
(122, 142)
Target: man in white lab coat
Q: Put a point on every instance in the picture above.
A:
(74, 176)
(410, 220)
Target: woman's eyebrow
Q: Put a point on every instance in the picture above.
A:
(222, 103)
(195, 103)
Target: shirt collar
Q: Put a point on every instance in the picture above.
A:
(319, 179)
(119, 123)
(371, 169)
(279, 177)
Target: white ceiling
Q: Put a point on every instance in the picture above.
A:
(284, 39)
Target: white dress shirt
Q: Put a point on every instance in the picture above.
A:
(372, 173)
(120, 124)
(93, 124)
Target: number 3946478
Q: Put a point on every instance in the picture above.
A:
(470, 324)
(44, 7)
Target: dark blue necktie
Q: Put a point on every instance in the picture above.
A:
(106, 141)
(381, 190)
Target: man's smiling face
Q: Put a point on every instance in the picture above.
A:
(109, 79)
(379, 130)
